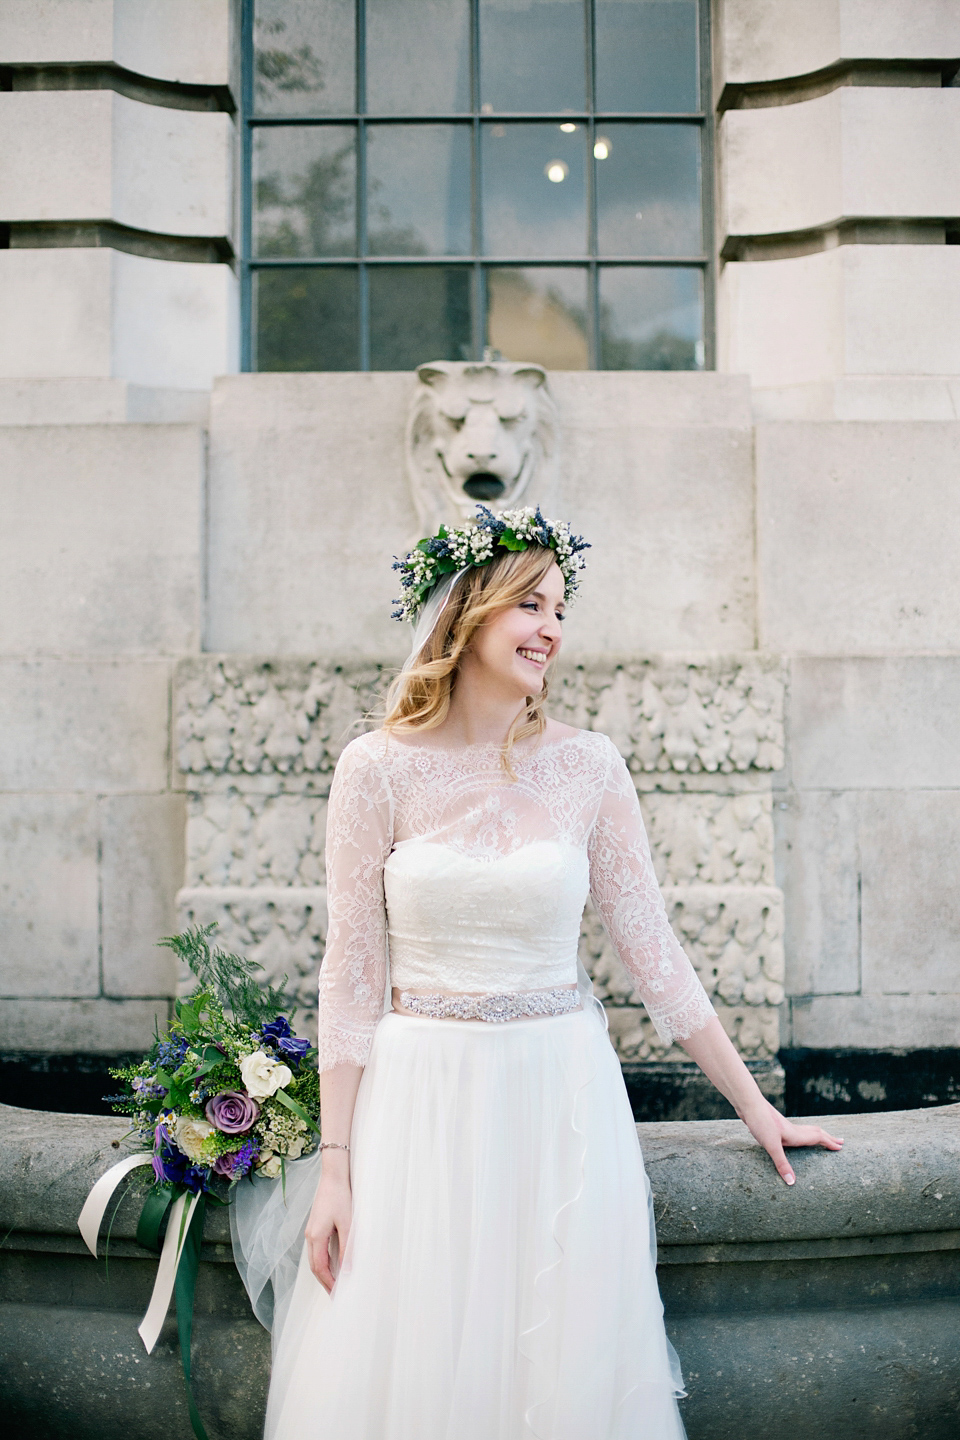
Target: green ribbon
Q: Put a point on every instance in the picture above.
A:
(184, 1290)
(154, 1212)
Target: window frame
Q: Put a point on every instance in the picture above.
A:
(477, 262)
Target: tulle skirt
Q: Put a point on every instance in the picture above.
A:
(499, 1282)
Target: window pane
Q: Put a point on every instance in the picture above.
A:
(532, 55)
(539, 314)
(648, 189)
(303, 57)
(647, 55)
(651, 319)
(418, 56)
(304, 187)
(418, 313)
(306, 319)
(418, 189)
(534, 190)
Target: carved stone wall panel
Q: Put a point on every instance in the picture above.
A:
(734, 936)
(716, 714)
(237, 838)
(285, 721)
(710, 839)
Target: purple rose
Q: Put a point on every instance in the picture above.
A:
(231, 1112)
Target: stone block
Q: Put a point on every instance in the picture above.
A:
(142, 840)
(87, 725)
(853, 310)
(775, 39)
(865, 724)
(307, 499)
(671, 529)
(98, 402)
(875, 1022)
(87, 1026)
(104, 313)
(598, 400)
(94, 155)
(862, 397)
(100, 549)
(181, 40)
(859, 151)
(818, 861)
(855, 537)
(49, 899)
(910, 848)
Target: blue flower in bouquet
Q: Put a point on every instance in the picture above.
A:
(170, 1052)
(236, 1163)
(278, 1034)
(171, 1167)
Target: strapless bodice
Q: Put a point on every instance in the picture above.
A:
(466, 925)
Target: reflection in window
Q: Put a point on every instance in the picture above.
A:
(539, 314)
(647, 55)
(418, 57)
(303, 57)
(418, 313)
(651, 319)
(648, 190)
(418, 190)
(427, 179)
(304, 186)
(534, 190)
(306, 319)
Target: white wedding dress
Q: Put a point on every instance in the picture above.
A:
(499, 1282)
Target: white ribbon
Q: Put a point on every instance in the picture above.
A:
(97, 1201)
(176, 1237)
(178, 1225)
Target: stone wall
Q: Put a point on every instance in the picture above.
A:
(831, 1307)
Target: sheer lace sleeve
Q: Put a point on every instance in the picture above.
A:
(354, 970)
(624, 888)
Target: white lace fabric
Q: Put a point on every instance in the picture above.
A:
(473, 883)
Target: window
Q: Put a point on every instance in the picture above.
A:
(448, 179)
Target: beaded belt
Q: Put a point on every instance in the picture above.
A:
(493, 1008)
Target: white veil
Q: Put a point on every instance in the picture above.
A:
(426, 621)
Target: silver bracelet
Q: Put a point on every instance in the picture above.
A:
(332, 1145)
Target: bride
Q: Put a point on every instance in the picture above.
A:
(479, 1256)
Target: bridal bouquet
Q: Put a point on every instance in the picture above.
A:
(227, 1092)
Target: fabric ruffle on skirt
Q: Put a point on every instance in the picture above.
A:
(499, 1282)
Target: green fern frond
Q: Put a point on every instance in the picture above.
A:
(230, 977)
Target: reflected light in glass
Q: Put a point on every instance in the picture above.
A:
(603, 147)
(568, 127)
(557, 171)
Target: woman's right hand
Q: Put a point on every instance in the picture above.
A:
(330, 1216)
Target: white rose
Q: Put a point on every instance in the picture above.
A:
(192, 1135)
(262, 1076)
(269, 1166)
(295, 1149)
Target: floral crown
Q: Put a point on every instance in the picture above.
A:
(477, 544)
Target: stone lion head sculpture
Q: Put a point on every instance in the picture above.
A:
(479, 430)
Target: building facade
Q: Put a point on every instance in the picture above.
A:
(231, 233)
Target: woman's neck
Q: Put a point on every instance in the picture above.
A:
(478, 714)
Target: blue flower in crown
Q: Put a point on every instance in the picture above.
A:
(451, 550)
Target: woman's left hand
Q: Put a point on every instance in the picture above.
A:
(774, 1131)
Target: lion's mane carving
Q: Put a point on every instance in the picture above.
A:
(479, 430)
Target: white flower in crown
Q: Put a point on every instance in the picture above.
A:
(451, 549)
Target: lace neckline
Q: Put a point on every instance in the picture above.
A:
(483, 746)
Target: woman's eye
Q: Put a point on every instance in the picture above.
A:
(560, 616)
(529, 605)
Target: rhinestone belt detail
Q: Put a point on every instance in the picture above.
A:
(493, 1008)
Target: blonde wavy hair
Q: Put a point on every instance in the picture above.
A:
(419, 698)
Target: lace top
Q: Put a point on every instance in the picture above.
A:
(472, 883)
